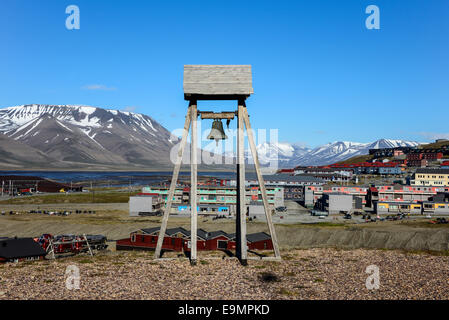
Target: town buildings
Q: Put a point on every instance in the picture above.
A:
(314, 193)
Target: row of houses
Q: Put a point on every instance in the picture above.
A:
(377, 167)
(383, 198)
(14, 185)
(178, 239)
(424, 207)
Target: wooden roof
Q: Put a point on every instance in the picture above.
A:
(217, 81)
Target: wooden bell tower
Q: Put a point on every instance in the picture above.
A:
(218, 82)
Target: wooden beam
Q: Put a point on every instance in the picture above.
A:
(193, 187)
(211, 97)
(263, 190)
(241, 241)
(174, 180)
(217, 115)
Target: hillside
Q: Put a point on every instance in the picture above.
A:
(434, 145)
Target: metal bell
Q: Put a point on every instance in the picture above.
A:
(217, 132)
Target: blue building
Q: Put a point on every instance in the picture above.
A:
(390, 170)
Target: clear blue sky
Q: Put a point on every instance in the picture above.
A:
(318, 74)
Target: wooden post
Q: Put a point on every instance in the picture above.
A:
(263, 190)
(88, 245)
(193, 187)
(171, 192)
(241, 242)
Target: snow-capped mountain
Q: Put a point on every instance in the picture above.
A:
(67, 136)
(290, 155)
(80, 135)
(283, 152)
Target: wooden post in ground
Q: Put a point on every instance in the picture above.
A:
(241, 242)
(263, 190)
(171, 192)
(88, 245)
(193, 187)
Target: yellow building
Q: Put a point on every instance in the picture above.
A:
(431, 177)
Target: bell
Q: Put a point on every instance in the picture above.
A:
(217, 133)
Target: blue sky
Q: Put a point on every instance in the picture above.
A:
(318, 74)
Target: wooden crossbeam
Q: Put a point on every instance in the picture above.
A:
(217, 115)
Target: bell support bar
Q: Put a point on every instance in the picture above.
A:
(217, 115)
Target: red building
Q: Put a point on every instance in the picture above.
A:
(421, 159)
(178, 239)
(256, 241)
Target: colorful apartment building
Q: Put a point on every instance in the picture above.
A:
(431, 177)
(217, 200)
(400, 193)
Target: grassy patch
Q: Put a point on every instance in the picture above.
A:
(286, 292)
(85, 261)
(204, 262)
(100, 197)
(318, 280)
(317, 224)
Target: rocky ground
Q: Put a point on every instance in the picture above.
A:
(303, 274)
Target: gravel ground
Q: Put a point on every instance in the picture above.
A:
(303, 274)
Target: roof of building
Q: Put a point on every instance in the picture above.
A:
(216, 234)
(260, 236)
(173, 231)
(150, 230)
(16, 248)
(203, 234)
(396, 202)
(432, 170)
(253, 237)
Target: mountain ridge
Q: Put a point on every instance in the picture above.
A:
(85, 137)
